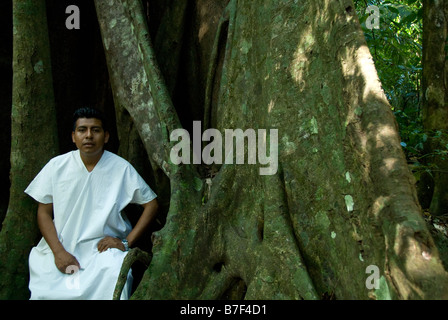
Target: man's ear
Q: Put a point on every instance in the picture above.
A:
(73, 136)
(106, 136)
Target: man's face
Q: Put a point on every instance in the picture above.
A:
(89, 136)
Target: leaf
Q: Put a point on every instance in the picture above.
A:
(393, 9)
(409, 18)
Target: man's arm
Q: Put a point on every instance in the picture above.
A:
(62, 258)
(148, 215)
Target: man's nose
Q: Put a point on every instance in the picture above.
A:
(89, 133)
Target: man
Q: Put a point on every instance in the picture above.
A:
(82, 249)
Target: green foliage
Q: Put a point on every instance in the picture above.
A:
(397, 51)
(396, 48)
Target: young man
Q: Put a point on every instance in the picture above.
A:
(84, 191)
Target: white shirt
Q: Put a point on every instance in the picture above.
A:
(87, 207)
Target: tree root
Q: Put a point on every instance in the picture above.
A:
(134, 255)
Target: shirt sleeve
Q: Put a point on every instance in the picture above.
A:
(141, 193)
(41, 188)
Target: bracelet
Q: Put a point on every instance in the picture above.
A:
(125, 244)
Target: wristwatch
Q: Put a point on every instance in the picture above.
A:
(125, 244)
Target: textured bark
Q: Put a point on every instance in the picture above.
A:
(343, 197)
(33, 143)
(435, 101)
(5, 103)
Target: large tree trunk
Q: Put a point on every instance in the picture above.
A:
(5, 103)
(435, 99)
(34, 141)
(342, 199)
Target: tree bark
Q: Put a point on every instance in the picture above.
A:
(435, 99)
(342, 199)
(5, 103)
(34, 141)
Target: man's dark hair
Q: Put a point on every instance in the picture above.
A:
(88, 112)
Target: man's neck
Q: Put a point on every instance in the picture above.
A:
(90, 161)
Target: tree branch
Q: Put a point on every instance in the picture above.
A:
(136, 81)
(134, 255)
(163, 104)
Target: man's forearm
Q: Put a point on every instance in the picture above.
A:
(47, 228)
(148, 215)
(63, 259)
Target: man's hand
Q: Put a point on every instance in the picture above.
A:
(66, 263)
(110, 242)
